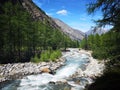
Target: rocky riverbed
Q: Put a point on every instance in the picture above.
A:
(18, 70)
(79, 70)
(95, 67)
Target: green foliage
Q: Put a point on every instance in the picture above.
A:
(110, 10)
(104, 46)
(35, 59)
(109, 47)
(99, 53)
(22, 38)
(47, 55)
(83, 44)
(55, 55)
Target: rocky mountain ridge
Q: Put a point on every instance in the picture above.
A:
(96, 30)
(73, 33)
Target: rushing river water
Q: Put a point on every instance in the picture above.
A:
(63, 79)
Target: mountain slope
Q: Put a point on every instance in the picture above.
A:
(96, 30)
(38, 14)
(72, 33)
(26, 31)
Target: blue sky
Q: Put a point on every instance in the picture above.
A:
(72, 12)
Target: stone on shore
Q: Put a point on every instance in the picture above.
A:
(18, 70)
(45, 70)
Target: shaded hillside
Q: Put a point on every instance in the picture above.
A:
(26, 31)
(72, 33)
(38, 14)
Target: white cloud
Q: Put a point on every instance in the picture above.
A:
(62, 12)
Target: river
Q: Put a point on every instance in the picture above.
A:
(67, 77)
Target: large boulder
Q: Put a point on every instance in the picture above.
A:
(45, 70)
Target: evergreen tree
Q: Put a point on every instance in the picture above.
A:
(22, 38)
(110, 10)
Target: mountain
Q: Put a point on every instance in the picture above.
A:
(72, 33)
(96, 30)
(38, 14)
(26, 31)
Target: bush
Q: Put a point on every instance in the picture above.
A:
(46, 56)
(55, 54)
(99, 53)
(35, 59)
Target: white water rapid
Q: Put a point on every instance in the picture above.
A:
(66, 77)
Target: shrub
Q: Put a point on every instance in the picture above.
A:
(99, 53)
(35, 59)
(55, 54)
(47, 56)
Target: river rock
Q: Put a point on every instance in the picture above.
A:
(66, 88)
(73, 88)
(77, 81)
(62, 81)
(45, 70)
(43, 63)
(18, 70)
(51, 82)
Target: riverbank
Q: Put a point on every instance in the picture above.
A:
(18, 70)
(95, 68)
(79, 70)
